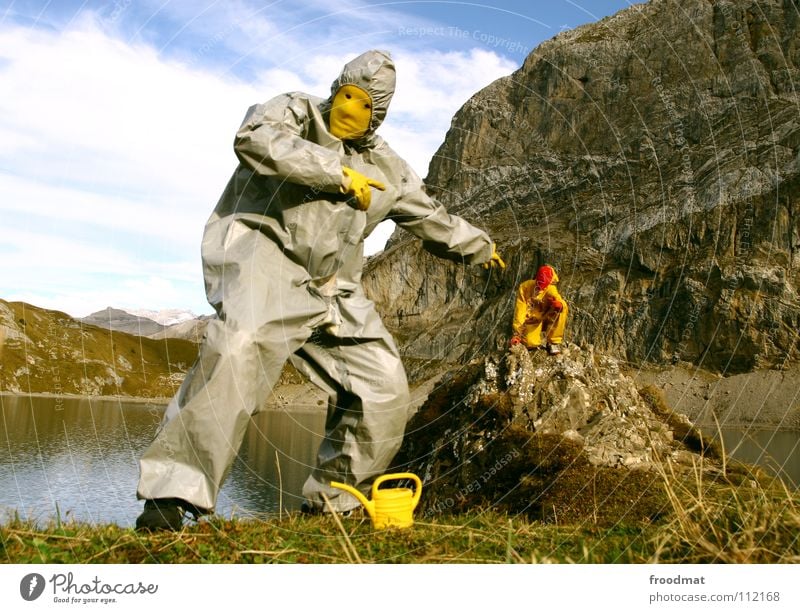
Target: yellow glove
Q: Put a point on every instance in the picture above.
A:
(358, 186)
(496, 260)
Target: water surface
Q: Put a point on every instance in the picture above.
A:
(776, 450)
(79, 458)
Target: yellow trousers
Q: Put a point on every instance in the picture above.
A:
(551, 325)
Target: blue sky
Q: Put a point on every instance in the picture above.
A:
(117, 119)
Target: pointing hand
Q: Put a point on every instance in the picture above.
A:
(358, 186)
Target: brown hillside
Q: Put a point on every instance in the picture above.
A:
(50, 352)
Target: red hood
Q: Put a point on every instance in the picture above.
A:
(545, 276)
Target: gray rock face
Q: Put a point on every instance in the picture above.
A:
(10, 328)
(654, 159)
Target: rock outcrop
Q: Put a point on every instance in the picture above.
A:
(569, 438)
(654, 159)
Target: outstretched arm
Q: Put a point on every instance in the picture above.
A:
(445, 235)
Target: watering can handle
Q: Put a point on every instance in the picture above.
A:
(393, 476)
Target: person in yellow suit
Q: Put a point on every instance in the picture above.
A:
(540, 309)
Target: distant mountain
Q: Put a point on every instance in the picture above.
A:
(49, 351)
(122, 321)
(166, 317)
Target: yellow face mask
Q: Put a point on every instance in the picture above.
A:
(351, 112)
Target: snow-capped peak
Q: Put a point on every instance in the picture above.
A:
(166, 317)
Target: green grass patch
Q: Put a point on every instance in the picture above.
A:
(471, 538)
(704, 522)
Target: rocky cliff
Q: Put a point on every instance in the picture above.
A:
(654, 159)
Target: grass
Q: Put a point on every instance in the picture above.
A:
(722, 510)
(475, 538)
(716, 521)
(748, 523)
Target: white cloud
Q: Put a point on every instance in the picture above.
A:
(146, 215)
(431, 87)
(138, 121)
(113, 138)
(79, 277)
(50, 254)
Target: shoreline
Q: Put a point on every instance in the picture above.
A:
(761, 399)
(272, 405)
(131, 399)
(765, 399)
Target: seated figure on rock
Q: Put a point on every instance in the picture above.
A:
(539, 312)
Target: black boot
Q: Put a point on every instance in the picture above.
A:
(162, 514)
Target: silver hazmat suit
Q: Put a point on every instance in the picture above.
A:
(282, 260)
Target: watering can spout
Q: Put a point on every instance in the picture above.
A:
(368, 505)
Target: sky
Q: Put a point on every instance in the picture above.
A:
(117, 120)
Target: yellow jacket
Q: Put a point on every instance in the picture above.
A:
(533, 304)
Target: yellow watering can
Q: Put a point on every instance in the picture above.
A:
(390, 507)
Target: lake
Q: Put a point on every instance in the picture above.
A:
(79, 458)
(776, 450)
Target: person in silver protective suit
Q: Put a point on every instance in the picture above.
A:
(282, 259)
